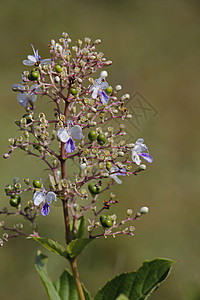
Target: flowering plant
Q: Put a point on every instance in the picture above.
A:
(77, 130)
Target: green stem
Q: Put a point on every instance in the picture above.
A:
(77, 279)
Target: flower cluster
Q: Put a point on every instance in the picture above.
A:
(76, 130)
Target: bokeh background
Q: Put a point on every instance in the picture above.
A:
(155, 49)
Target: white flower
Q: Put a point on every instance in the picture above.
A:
(97, 88)
(46, 199)
(26, 96)
(138, 150)
(35, 59)
(66, 135)
(115, 171)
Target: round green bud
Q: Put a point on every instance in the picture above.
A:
(35, 75)
(15, 200)
(30, 77)
(106, 221)
(37, 183)
(101, 139)
(58, 68)
(109, 90)
(94, 188)
(108, 165)
(73, 91)
(92, 135)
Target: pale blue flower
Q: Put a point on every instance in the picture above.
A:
(35, 59)
(138, 150)
(115, 171)
(26, 96)
(45, 198)
(97, 88)
(66, 135)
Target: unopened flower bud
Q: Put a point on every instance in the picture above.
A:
(118, 88)
(5, 236)
(6, 155)
(142, 167)
(129, 212)
(27, 180)
(65, 35)
(108, 63)
(89, 228)
(104, 74)
(144, 210)
(57, 79)
(97, 42)
(18, 186)
(11, 141)
(52, 42)
(79, 43)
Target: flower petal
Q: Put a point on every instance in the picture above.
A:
(116, 179)
(32, 97)
(104, 97)
(38, 198)
(135, 157)
(28, 62)
(103, 85)
(18, 86)
(70, 147)
(95, 93)
(139, 141)
(45, 209)
(147, 157)
(63, 135)
(50, 196)
(32, 58)
(46, 61)
(23, 99)
(76, 132)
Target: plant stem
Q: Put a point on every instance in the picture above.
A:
(77, 279)
(66, 212)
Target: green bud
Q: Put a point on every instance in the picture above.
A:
(58, 68)
(94, 188)
(101, 139)
(73, 91)
(106, 221)
(37, 183)
(15, 200)
(92, 135)
(109, 90)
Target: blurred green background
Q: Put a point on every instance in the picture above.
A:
(154, 46)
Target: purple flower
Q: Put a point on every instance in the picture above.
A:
(40, 197)
(66, 135)
(99, 85)
(115, 171)
(138, 151)
(35, 59)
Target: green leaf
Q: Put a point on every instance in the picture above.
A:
(52, 246)
(75, 247)
(66, 287)
(137, 285)
(80, 227)
(40, 265)
(121, 297)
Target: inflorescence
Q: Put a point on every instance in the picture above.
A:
(77, 129)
